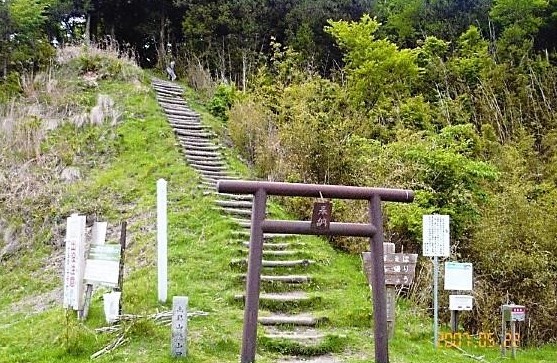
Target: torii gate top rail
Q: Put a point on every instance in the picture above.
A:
(259, 225)
(315, 190)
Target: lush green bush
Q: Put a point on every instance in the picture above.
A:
(222, 100)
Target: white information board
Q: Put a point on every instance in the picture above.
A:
(461, 302)
(103, 265)
(436, 235)
(458, 276)
(74, 262)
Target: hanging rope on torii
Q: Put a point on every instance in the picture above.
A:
(260, 225)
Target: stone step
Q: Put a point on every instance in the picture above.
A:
(159, 83)
(179, 108)
(236, 211)
(215, 163)
(287, 279)
(272, 246)
(183, 126)
(235, 196)
(174, 101)
(266, 236)
(277, 252)
(198, 158)
(292, 296)
(168, 91)
(198, 142)
(216, 174)
(234, 204)
(285, 319)
(187, 121)
(198, 134)
(242, 262)
(181, 112)
(199, 166)
(201, 148)
(283, 279)
(202, 153)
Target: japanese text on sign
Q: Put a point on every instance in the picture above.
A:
(436, 236)
(179, 326)
(321, 216)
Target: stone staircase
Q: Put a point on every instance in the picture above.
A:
(287, 298)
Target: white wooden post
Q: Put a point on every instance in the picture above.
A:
(74, 262)
(178, 344)
(162, 249)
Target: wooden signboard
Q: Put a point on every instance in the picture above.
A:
(399, 268)
(321, 216)
(74, 262)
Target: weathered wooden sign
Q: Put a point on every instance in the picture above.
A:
(74, 262)
(399, 268)
(321, 216)
(178, 343)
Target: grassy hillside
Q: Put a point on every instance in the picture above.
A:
(120, 160)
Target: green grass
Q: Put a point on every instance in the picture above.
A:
(120, 185)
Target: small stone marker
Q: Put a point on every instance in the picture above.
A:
(178, 343)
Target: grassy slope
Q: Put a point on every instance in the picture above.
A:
(200, 248)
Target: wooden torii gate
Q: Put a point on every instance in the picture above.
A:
(260, 225)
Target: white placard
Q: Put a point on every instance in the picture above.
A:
(103, 265)
(459, 276)
(436, 235)
(74, 262)
(461, 302)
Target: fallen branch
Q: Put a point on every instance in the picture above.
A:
(466, 354)
(161, 318)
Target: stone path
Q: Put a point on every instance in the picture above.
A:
(286, 300)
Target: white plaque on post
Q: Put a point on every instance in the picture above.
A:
(74, 262)
(461, 302)
(458, 276)
(436, 235)
(178, 343)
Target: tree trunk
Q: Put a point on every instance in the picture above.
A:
(88, 30)
(162, 48)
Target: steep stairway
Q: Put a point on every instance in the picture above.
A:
(288, 296)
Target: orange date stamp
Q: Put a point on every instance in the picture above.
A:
(481, 340)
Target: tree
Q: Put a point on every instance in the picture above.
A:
(376, 68)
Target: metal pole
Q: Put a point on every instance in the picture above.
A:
(503, 334)
(251, 308)
(378, 283)
(513, 339)
(435, 301)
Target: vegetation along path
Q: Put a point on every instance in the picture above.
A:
(287, 300)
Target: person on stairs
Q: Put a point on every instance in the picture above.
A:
(170, 71)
